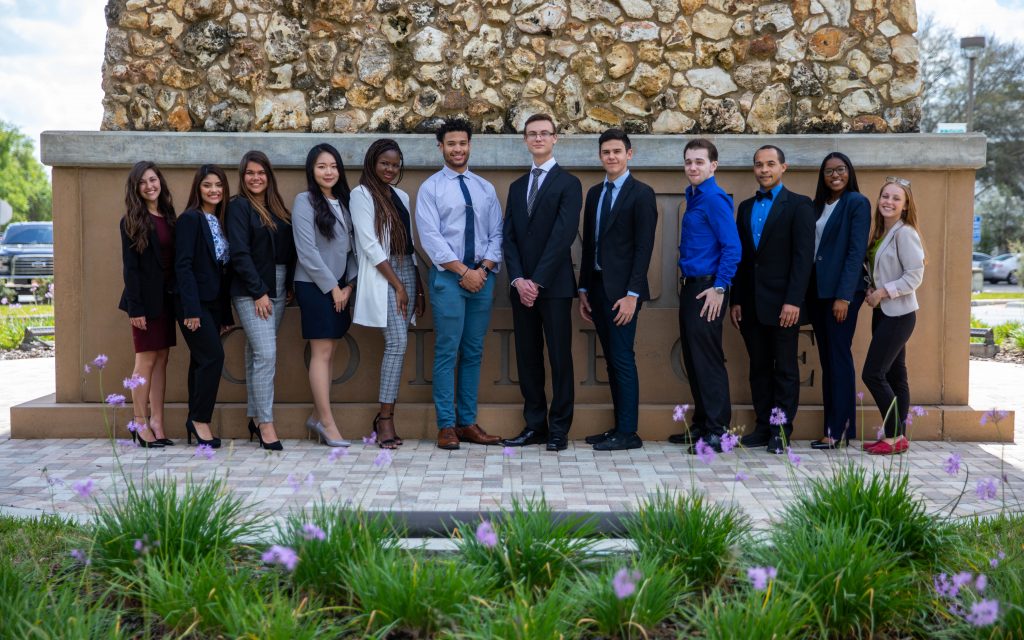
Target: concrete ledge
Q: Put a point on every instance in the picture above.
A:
(493, 151)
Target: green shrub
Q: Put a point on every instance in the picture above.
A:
(753, 615)
(33, 544)
(1001, 332)
(262, 610)
(202, 519)
(1017, 338)
(521, 616)
(656, 598)
(534, 546)
(689, 534)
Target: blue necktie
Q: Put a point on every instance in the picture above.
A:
(469, 254)
(602, 217)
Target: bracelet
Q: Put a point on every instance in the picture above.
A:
(463, 274)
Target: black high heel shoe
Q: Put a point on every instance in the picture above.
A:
(269, 446)
(167, 442)
(146, 444)
(190, 428)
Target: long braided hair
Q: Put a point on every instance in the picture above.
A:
(386, 220)
(322, 214)
(137, 223)
(270, 200)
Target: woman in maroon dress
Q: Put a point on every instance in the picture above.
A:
(147, 251)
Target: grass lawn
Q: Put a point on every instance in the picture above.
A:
(997, 295)
(8, 311)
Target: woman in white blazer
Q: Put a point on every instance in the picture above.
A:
(896, 268)
(388, 279)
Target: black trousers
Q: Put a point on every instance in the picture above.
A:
(774, 372)
(885, 368)
(617, 345)
(838, 373)
(206, 361)
(704, 359)
(549, 321)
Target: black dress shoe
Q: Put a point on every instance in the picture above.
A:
(826, 444)
(686, 437)
(756, 439)
(600, 437)
(619, 441)
(776, 445)
(557, 443)
(712, 440)
(527, 437)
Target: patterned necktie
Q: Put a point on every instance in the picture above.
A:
(469, 252)
(533, 191)
(602, 218)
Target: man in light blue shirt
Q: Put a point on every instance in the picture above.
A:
(459, 220)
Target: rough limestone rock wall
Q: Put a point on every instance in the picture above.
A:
(650, 66)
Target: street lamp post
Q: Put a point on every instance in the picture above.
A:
(971, 48)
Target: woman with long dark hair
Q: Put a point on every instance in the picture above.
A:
(325, 276)
(204, 311)
(263, 261)
(147, 253)
(836, 292)
(388, 279)
(896, 263)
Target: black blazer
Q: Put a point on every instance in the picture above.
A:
(199, 276)
(839, 263)
(252, 252)
(539, 247)
(778, 270)
(627, 239)
(144, 284)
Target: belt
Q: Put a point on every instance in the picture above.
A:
(685, 280)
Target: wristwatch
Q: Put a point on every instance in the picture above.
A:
(720, 290)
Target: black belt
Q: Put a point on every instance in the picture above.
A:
(685, 280)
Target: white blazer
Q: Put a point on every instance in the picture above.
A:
(899, 268)
(371, 303)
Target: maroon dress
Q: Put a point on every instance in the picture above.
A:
(160, 332)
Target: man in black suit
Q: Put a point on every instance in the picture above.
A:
(542, 219)
(776, 229)
(619, 222)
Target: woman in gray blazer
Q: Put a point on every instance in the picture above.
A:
(896, 268)
(325, 276)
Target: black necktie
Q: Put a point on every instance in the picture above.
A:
(469, 252)
(602, 219)
(533, 191)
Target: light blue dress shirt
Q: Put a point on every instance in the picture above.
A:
(616, 190)
(759, 213)
(441, 218)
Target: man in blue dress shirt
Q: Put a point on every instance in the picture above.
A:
(709, 250)
(459, 221)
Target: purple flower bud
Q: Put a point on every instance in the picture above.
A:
(312, 532)
(99, 361)
(486, 535)
(729, 442)
(87, 369)
(624, 583)
(778, 417)
(980, 582)
(741, 476)
(952, 465)
(116, 400)
(370, 439)
(126, 444)
(80, 557)
(983, 613)
(337, 452)
(987, 489)
(679, 412)
(310, 480)
(134, 382)
(205, 451)
(705, 453)
(84, 488)
(860, 395)
(293, 482)
(282, 556)
(794, 459)
(759, 576)
(508, 452)
(383, 458)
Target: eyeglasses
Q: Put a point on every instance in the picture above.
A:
(541, 135)
(903, 182)
(837, 171)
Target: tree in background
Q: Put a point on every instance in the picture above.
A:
(23, 181)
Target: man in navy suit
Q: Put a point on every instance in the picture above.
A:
(776, 229)
(619, 222)
(542, 218)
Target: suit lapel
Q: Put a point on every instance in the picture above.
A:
(620, 201)
(834, 221)
(544, 188)
(773, 215)
(208, 236)
(888, 239)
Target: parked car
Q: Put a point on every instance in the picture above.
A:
(26, 253)
(977, 258)
(1002, 267)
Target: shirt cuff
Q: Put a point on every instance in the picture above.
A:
(633, 293)
(581, 290)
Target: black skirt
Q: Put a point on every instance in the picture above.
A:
(319, 319)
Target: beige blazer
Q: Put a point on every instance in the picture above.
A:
(899, 268)
(371, 303)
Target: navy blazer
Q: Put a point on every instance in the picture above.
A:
(539, 247)
(252, 252)
(199, 276)
(839, 262)
(144, 284)
(627, 239)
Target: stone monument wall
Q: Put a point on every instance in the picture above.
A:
(650, 66)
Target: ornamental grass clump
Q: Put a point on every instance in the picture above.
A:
(528, 544)
(627, 601)
(194, 521)
(524, 615)
(690, 535)
(751, 614)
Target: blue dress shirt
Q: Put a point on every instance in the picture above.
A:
(709, 243)
(616, 190)
(759, 212)
(441, 218)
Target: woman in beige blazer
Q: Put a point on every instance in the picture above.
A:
(895, 268)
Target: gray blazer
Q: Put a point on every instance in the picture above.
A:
(899, 268)
(323, 262)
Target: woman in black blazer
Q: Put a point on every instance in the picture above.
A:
(203, 311)
(263, 260)
(836, 292)
(147, 253)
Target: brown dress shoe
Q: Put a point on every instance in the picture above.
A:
(446, 438)
(473, 433)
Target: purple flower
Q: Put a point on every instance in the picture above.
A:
(486, 535)
(962, 579)
(980, 582)
(679, 412)
(282, 556)
(310, 480)
(994, 562)
(508, 452)
(100, 361)
(995, 415)
(139, 546)
(944, 587)
(987, 488)
(135, 426)
(55, 482)
(87, 369)
(84, 488)
(759, 576)
(293, 482)
(312, 532)
(918, 410)
(3, 300)
(116, 400)
(860, 395)
(205, 451)
(705, 453)
(624, 582)
(383, 458)
(952, 465)
(741, 476)
(983, 613)
(80, 557)
(778, 417)
(880, 433)
(133, 382)
(793, 458)
(127, 444)
(729, 442)
(337, 452)
(370, 439)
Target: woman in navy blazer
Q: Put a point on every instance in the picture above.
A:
(836, 291)
(203, 309)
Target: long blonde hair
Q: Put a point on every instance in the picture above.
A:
(271, 200)
(909, 215)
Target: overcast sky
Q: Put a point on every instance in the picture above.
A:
(51, 51)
